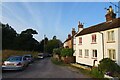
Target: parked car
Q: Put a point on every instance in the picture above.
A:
(15, 63)
(40, 55)
(29, 57)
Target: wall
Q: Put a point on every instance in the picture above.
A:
(87, 44)
(119, 45)
(113, 45)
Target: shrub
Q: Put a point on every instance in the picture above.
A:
(67, 52)
(108, 65)
(57, 51)
(96, 73)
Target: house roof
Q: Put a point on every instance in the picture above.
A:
(67, 39)
(101, 27)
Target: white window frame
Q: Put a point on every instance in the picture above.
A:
(80, 52)
(94, 53)
(112, 54)
(87, 53)
(111, 36)
(94, 40)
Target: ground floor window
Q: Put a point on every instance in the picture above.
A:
(80, 52)
(112, 54)
(86, 53)
(94, 53)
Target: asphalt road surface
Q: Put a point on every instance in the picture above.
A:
(44, 68)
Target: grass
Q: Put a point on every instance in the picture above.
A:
(7, 53)
(55, 61)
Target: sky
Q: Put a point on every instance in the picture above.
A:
(53, 18)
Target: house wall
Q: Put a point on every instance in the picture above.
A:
(69, 43)
(65, 44)
(113, 45)
(87, 44)
(119, 45)
(74, 46)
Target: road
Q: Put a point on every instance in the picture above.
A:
(44, 69)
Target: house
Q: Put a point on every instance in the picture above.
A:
(68, 43)
(98, 41)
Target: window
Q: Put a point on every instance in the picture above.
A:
(94, 54)
(110, 36)
(80, 40)
(94, 38)
(86, 53)
(112, 54)
(80, 52)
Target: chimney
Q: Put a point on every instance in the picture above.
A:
(73, 31)
(80, 26)
(110, 14)
(69, 36)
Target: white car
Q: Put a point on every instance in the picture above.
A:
(40, 56)
(15, 63)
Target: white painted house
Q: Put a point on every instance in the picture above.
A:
(99, 41)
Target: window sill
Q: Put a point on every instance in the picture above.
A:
(93, 43)
(80, 44)
(80, 56)
(86, 57)
(110, 41)
(94, 58)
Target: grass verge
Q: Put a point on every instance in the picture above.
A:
(56, 62)
(7, 53)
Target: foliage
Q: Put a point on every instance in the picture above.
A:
(54, 43)
(8, 36)
(29, 31)
(14, 41)
(108, 65)
(57, 62)
(96, 73)
(67, 52)
(7, 53)
(57, 51)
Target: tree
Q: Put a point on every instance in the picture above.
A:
(25, 40)
(29, 32)
(54, 43)
(8, 37)
(42, 44)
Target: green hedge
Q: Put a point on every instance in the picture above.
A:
(67, 52)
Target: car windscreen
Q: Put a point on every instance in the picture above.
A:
(18, 58)
(28, 56)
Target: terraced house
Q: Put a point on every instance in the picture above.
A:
(98, 41)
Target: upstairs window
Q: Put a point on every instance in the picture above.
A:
(80, 40)
(94, 38)
(110, 36)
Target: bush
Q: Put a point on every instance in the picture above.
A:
(107, 65)
(57, 62)
(57, 51)
(96, 73)
(67, 52)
